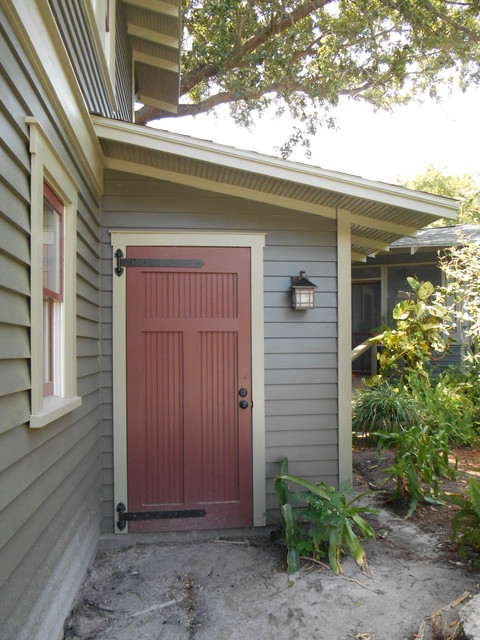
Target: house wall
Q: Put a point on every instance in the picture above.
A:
(73, 24)
(300, 347)
(50, 478)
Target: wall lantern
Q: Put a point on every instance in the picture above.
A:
(302, 292)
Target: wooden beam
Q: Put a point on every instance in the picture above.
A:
(156, 6)
(152, 36)
(363, 241)
(154, 61)
(383, 225)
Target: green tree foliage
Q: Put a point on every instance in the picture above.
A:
(461, 265)
(302, 56)
(421, 332)
(465, 188)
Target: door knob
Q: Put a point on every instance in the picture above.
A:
(243, 404)
(243, 392)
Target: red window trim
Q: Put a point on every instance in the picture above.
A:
(53, 296)
(56, 204)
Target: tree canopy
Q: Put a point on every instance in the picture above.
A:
(303, 55)
(464, 188)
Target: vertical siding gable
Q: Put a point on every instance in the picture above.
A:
(123, 67)
(73, 25)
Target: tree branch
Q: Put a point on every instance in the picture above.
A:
(274, 28)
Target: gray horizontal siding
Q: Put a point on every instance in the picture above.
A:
(50, 477)
(300, 347)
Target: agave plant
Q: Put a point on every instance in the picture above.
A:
(328, 520)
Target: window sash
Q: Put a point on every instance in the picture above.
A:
(53, 242)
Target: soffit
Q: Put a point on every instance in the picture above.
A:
(379, 213)
(154, 30)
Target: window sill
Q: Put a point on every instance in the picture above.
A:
(53, 408)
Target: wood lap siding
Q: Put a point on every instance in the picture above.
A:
(50, 477)
(300, 347)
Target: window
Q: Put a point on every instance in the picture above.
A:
(54, 198)
(52, 287)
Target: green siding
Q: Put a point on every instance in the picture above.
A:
(50, 477)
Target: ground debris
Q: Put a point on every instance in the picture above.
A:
(436, 616)
(156, 607)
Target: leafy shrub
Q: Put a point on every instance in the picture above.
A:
(328, 521)
(421, 458)
(422, 331)
(466, 522)
(383, 408)
(448, 404)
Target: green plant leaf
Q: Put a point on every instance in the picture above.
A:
(334, 549)
(425, 290)
(355, 547)
(319, 489)
(291, 538)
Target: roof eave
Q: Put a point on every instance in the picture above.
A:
(202, 150)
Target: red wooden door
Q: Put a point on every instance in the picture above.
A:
(189, 443)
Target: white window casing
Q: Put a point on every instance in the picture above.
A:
(47, 166)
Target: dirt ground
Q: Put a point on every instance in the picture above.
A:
(236, 588)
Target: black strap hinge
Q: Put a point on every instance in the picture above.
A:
(124, 515)
(122, 262)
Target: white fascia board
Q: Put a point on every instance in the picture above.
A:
(37, 31)
(231, 157)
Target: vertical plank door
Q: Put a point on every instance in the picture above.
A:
(189, 441)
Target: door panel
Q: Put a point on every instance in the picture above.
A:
(188, 354)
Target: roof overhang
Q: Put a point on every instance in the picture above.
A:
(379, 213)
(154, 30)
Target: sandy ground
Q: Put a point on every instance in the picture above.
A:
(237, 589)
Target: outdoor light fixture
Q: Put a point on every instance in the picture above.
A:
(302, 292)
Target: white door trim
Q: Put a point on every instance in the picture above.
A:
(256, 242)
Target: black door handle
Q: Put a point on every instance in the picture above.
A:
(243, 404)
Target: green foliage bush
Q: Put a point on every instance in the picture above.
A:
(422, 331)
(383, 407)
(327, 524)
(449, 403)
(421, 458)
(466, 522)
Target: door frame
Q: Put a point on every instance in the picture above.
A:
(121, 239)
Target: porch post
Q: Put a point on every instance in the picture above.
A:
(344, 327)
